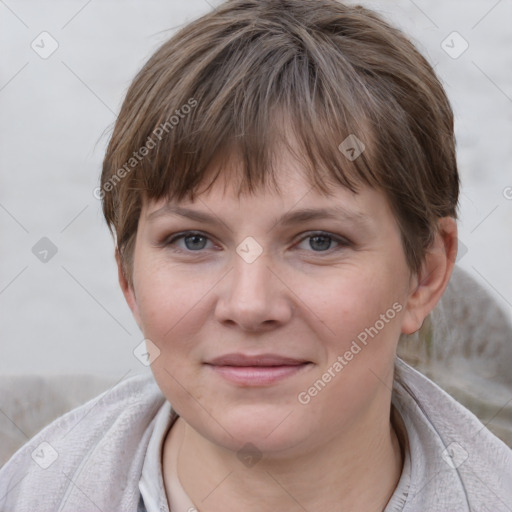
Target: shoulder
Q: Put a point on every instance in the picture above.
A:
(455, 458)
(98, 445)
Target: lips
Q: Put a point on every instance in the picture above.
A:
(256, 370)
(256, 360)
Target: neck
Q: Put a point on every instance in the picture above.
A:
(356, 471)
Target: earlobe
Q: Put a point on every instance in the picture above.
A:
(127, 289)
(428, 287)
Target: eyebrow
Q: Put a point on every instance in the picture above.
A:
(289, 218)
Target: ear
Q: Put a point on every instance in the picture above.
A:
(427, 288)
(128, 291)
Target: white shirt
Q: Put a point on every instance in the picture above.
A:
(151, 482)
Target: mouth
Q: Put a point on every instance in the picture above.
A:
(257, 370)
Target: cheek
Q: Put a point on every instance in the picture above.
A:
(363, 317)
(356, 301)
(172, 307)
(169, 298)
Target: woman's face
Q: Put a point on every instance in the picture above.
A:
(276, 317)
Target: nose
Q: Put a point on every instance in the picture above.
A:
(253, 297)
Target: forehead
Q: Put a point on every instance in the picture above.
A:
(296, 202)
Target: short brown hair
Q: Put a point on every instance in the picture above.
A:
(220, 85)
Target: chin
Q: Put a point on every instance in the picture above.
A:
(270, 430)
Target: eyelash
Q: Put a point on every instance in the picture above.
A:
(342, 242)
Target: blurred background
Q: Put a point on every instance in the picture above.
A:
(65, 67)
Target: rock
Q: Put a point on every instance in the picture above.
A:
(465, 346)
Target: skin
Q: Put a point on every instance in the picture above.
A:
(298, 299)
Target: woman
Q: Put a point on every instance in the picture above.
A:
(282, 185)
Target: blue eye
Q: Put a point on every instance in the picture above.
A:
(193, 241)
(319, 242)
(322, 242)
